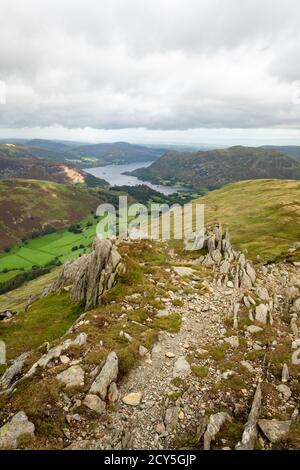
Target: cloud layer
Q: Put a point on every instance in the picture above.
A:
(171, 64)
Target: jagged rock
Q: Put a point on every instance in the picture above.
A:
(216, 256)
(285, 390)
(56, 352)
(94, 403)
(251, 272)
(72, 377)
(171, 418)
(245, 282)
(12, 431)
(261, 314)
(108, 374)
(214, 425)
(113, 393)
(91, 274)
(262, 293)
(296, 357)
(133, 399)
(181, 367)
(274, 429)
(224, 267)
(14, 370)
(285, 374)
(250, 430)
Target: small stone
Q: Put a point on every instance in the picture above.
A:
(181, 367)
(160, 428)
(64, 359)
(254, 329)
(248, 366)
(94, 403)
(142, 351)
(133, 399)
(285, 374)
(233, 341)
(170, 355)
(113, 392)
(285, 390)
(230, 284)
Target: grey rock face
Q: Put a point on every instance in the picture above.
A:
(11, 432)
(92, 274)
(14, 370)
(108, 374)
(72, 377)
(261, 314)
(181, 367)
(171, 418)
(94, 403)
(250, 430)
(274, 429)
(214, 425)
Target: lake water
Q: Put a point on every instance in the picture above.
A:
(113, 174)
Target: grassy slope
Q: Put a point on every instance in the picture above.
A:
(263, 216)
(31, 205)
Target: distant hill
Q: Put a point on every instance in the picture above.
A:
(16, 162)
(28, 206)
(292, 150)
(117, 152)
(215, 168)
(81, 156)
(263, 216)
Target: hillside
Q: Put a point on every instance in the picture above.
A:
(80, 156)
(263, 216)
(17, 163)
(117, 152)
(215, 168)
(292, 150)
(28, 206)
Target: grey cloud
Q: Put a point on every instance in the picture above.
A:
(172, 64)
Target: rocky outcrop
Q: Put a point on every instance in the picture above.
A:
(91, 275)
(108, 375)
(250, 431)
(11, 432)
(214, 425)
(230, 265)
(13, 371)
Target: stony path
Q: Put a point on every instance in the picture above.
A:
(202, 323)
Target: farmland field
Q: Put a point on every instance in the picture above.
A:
(63, 244)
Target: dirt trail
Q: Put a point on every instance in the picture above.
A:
(142, 427)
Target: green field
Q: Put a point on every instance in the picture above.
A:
(43, 250)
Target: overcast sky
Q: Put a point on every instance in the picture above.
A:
(151, 70)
